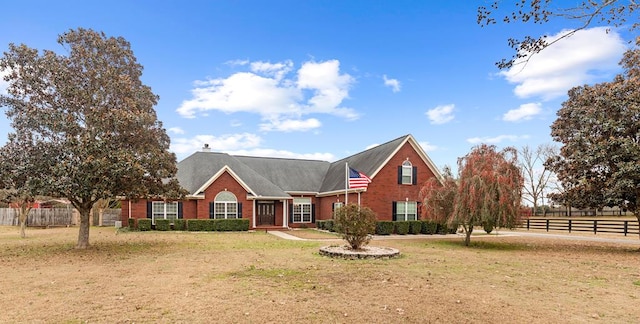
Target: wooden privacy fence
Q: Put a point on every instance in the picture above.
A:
(39, 217)
(617, 226)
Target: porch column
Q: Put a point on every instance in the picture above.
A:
(253, 214)
(285, 212)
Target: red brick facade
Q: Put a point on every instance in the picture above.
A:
(379, 196)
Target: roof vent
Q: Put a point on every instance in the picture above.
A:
(206, 148)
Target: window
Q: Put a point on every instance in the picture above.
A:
(164, 210)
(407, 172)
(225, 206)
(302, 210)
(336, 206)
(405, 211)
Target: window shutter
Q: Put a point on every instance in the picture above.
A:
(415, 175)
(400, 174)
(239, 210)
(290, 213)
(313, 213)
(418, 210)
(393, 212)
(149, 209)
(180, 216)
(211, 209)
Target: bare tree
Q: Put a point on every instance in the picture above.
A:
(536, 174)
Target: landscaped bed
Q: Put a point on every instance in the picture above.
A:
(251, 277)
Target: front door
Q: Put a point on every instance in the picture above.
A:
(266, 213)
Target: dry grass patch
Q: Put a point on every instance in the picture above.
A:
(259, 278)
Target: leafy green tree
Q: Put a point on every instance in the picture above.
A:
(91, 119)
(599, 127)
(579, 15)
(489, 189)
(356, 224)
(19, 184)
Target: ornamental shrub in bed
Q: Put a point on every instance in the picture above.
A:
(163, 224)
(415, 227)
(329, 225)
(235, 225)
(196, 225)
(384, 228)
(132, 224)
(320, 224)
(179, 224)
(144, 224)
(355, 224)
(401, 227)
(429, 227)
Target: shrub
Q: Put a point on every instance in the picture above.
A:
(179, 224)
(196, 225)
(238, 224)
(209, 225)
(356, 224)
(163, 224)
(401, 227)
(329, 225)
(384, 228)
(132, 224)
(144, 224)
(415, 227)
(429, 227)
(488, 225)
(320, 224)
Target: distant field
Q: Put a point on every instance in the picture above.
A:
(171, 277)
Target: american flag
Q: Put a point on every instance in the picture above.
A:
(358, 179)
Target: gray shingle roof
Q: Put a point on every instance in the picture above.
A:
(276, 177)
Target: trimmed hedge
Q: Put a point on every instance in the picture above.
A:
(179, 224)
(415, 227)
(226, 225)
(320, 224)
(144, 224)
(163, 224)
(429, 227)
(384, 228)
(132, 224)
(329, 225)
(401, 227)
(197, 225)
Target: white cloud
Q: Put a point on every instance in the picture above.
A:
(290, 125)
(270, 91)
(394, 84)
(176, 130)
(371, 146)
(222, 143)
(524, 112)
(428, 147)
(496, 139)
(238, 144)
(572, 61)
(441, 114)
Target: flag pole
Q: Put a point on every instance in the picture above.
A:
(346, 183)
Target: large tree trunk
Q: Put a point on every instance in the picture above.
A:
(22, 218)
(83, 234)
(467, 239)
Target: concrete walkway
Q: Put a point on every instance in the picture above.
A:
(626, 240)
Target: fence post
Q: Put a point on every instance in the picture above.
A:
(547, 224)
(569, 226)
(595, 226)
(625, 227)
(528, 220)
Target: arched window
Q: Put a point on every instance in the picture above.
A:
(407, 172)
(225, 205)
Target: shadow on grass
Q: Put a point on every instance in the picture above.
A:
(538, 245)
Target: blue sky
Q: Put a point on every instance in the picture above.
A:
(327, 79)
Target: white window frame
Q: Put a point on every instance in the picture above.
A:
(302, 210)
(407, 172)
(337, 205)
(403, 212)
(163, 210)
(225, 206)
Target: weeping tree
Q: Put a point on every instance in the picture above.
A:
(90, 118)
(439, 197)
(489, 189)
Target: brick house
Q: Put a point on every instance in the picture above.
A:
(286, 193)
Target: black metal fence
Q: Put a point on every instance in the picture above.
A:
(595, 226)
